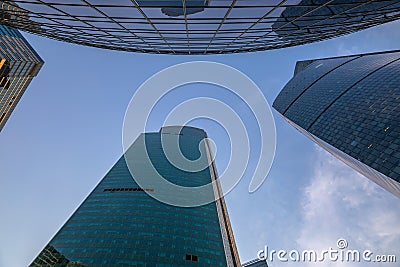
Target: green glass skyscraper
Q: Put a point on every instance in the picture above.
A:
(119, 224)
(19, 63)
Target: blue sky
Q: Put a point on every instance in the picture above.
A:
(65, 134)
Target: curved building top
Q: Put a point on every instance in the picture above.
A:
(183, 130)
(351, 107)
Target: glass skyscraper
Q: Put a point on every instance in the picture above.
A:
(19, 63)
(351, 107)
(119, 224)
(196, 26)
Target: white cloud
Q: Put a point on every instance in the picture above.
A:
(340, 203)
(344, 49)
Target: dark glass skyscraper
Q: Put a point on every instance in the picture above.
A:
(351, 107)
(119, 224)
(19, 63)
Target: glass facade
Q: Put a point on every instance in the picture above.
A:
(256, 263)
(177, 8)
(302, 19)
(19, 63)
(196, 26)
(351, 107)
(119, 224)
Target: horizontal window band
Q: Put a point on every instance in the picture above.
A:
(125, 189)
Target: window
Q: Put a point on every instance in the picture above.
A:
(190, 257)
(2, 116)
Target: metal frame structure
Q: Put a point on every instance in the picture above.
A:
(189, 27)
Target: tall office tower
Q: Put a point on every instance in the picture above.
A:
(351, 107)
(119, 224)
(19, 63)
